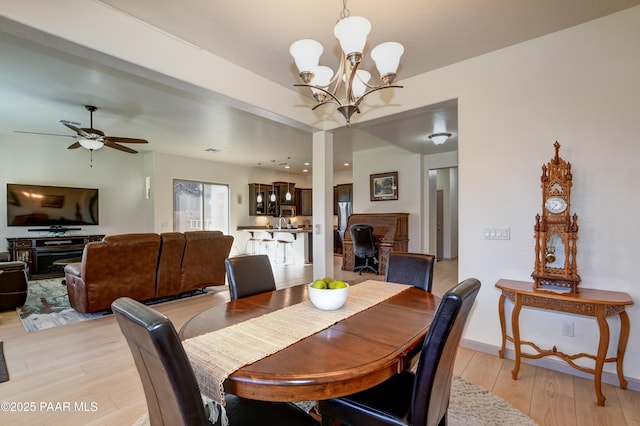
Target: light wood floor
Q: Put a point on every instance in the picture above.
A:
(89, 363)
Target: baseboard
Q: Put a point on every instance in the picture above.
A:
(551, 364)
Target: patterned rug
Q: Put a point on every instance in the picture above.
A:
(47, 306)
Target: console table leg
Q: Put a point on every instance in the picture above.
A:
(603, 345)
(622, 346)
(515, 327)
(503, 325)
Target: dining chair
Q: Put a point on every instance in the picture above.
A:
(420, 398)
(364, 247)
(411, 268)
(249, 275)
(170, 387)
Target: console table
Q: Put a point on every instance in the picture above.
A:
(600, 304)
(40, 253)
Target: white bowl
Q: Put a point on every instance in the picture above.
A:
(328, 299)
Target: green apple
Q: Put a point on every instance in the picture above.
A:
(337, 284)
(319, 284)
(327, 279)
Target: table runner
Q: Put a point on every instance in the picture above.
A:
(216, 355)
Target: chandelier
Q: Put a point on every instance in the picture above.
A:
(351, 32)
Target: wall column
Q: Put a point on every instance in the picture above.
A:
(322, 204)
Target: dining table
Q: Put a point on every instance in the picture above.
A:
(349, 355)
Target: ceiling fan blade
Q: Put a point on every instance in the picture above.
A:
(111, 144)
(124, 140)
(74, 145)
(79, 131)
(46, 134)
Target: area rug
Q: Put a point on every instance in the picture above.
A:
(47, 306)
(471, 405)
(4, 373)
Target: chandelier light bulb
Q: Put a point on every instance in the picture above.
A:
(287, 196)
(272, 197)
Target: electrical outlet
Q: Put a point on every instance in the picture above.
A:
(567, 328)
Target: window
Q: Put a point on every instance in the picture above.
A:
(200, 206)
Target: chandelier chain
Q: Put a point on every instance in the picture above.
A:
(345, 12)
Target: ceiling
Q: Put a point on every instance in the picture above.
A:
(44, 80)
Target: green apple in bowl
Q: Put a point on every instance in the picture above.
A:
(330, 296)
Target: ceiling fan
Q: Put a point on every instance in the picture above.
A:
(93, 139)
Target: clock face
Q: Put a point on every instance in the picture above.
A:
(555, 205)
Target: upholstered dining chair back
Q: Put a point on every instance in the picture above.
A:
(249, 275)
(170, 387)
(407, 398)
(434, 375)
(411, 268)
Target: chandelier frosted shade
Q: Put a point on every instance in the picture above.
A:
(352, 33)
(306, 54)
(322, 78)
(387, 58)
(90, 144)
(360, 82)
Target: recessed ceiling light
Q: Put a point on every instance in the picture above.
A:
(305, 171)
(346, 164)
(307, 163)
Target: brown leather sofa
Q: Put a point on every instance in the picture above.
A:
(13, 284)
(145, 267)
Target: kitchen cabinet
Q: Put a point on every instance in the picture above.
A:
(282, 188)
(304, 202)
(258, 208)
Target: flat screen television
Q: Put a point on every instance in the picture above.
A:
(52, 206)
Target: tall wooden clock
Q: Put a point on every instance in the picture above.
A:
(556, 230)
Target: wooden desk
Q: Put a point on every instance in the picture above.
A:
(600, 304)
(352, 355)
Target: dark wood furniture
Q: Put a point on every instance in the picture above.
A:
(39, 253)
(391, 231)
(347, 357)
(599, 304)
(170, 387)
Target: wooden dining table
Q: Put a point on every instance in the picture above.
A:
(351, 355)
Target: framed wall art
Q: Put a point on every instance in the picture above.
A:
(384, 186)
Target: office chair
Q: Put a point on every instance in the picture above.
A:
(364, 247)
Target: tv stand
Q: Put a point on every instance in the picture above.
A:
(39, 253)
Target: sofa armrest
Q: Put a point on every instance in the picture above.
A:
(74, 269)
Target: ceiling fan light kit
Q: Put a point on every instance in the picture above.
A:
(351, 32)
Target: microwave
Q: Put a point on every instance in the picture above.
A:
(287, 211)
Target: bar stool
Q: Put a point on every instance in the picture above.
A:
(253, 245)
(266, 244)
(285, 242)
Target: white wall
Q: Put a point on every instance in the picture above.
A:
(408, 166)
(580, 87)
(45, 160)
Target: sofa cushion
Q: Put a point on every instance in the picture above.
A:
(169, 265)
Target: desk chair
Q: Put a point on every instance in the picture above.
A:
(170, 387)
(249, 275)
(364, 247)
(411, 268)
(407, 398)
